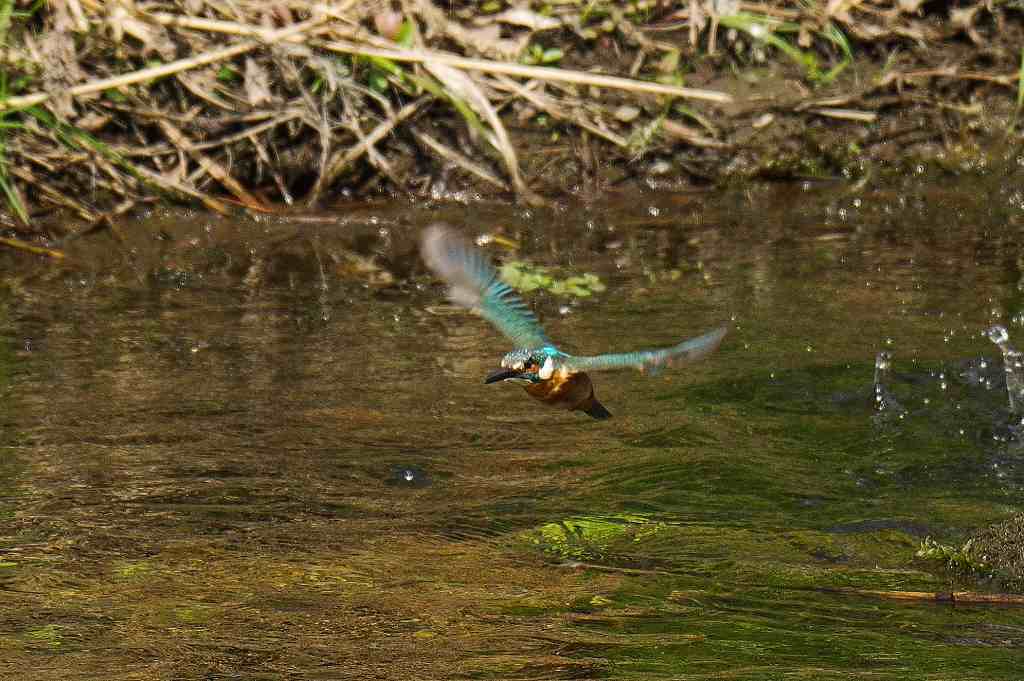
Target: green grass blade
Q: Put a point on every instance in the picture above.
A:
(6, 9)
(1020, 83)
(13, 199)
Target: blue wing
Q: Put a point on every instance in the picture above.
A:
(474, 283)
(652, 360)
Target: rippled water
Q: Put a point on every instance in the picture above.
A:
(264, 449)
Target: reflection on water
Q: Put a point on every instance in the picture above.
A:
(258, 450)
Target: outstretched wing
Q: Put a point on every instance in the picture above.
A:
(652, 360)
(474, 283)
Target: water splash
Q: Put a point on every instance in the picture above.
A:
(885, 402)
(1013, 367)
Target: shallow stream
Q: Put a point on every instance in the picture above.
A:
(264, 449)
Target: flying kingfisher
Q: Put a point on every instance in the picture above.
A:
(548, 374)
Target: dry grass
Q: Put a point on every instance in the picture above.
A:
(105, 106)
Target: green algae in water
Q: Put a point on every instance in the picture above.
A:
(50, 635)
(133, 569)
(590, 538)
(526, 277)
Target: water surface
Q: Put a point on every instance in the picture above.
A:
(264, 449)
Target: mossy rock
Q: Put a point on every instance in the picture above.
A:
(1000, 548)
(995, 553)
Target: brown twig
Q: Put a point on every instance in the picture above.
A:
(215, 169)
(163, 70)
(524, 71)
(341, 160)
(965, 597)
(446, 152)
(20, 245)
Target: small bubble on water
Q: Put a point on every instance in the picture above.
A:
(810, 348)
(927, 401)
(889, 341)
(564, 310)
(408, 475)
(654, 211)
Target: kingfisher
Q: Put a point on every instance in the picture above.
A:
(548, 374)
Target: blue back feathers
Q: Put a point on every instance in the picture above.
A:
(474, 283)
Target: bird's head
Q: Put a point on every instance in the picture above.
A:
(526, 366)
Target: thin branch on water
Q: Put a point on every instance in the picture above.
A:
(962, 597)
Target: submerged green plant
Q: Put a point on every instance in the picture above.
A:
(526, 277)
(958, 560)
(49, 635)
(587, 538)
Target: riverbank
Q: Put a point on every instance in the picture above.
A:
(109, 108)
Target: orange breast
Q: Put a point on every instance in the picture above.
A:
(563, 390)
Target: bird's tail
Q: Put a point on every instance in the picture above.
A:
(595, 409)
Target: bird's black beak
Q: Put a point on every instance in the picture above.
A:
(501, 375)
